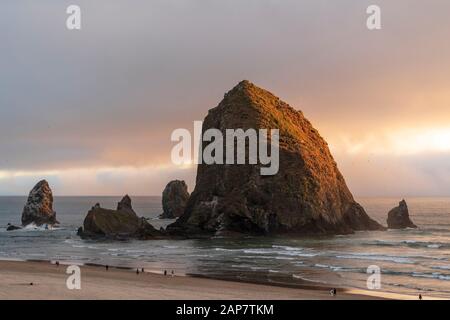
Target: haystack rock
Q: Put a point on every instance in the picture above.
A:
(398, 217)
(122, 223)
(39, 207)
(174, 199)
(307, 196)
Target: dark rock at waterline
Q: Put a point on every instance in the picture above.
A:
(307, 196)
(122, 223)
(174, 199)
(398, 217)
(11, 227)
(39, 206)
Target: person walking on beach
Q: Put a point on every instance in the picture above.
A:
(106, 267)
(137, 271)
(173, 273)
(165, 272)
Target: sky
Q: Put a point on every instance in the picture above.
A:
(92, 110)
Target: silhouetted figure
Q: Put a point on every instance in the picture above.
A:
(142, 270)
(420, 297)
(57, 263)
(165, 272)
(106, 267)
(137, 271)
(173, 273)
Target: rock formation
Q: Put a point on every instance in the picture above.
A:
(39, 207)
(307, 196)
(398, 217)
(122, 223)
(174, 199)
(11, 227)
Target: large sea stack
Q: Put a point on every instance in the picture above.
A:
(308, 195)
(122, 223)
(398, 217)
(39, 207)
(174, 199)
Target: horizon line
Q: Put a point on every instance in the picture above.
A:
(148, 196)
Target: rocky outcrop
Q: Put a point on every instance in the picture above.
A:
(39, 207)
(398, 217)
(308, 195)
(122, 223)
(174, 199)
(11, 227)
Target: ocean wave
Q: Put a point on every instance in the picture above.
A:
(134, 251)
(199, 255)
(255, 257)
(171, 247)
(274, 271)
(291, 253)
(447, 267)
(337, 268)
(401, 260)
(241, 266)
(33, 227)
(434, 275)
(257, 268)
(385, 257)
(299, 254)
(297, 276)
(288, 248)
(259, 251)
(284, 258)
(410, 243)
(223, 249)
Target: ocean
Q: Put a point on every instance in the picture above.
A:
(411, 261)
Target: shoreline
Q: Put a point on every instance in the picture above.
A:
(49, 282)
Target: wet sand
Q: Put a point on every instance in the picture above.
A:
(49, 282)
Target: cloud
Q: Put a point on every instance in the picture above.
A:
(110, 95)
(98, 181)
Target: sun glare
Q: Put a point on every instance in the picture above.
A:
(401, 142)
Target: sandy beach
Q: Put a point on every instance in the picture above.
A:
(49, 282)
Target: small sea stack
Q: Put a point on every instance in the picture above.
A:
(174, 199)
(11, 227)
(398, 217)
(39, 207)
(122, 223)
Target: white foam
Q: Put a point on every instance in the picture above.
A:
(287, 248)
(376, 258)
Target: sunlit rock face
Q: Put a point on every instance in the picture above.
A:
(39, 207)
(307, 196)
(174, 199)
